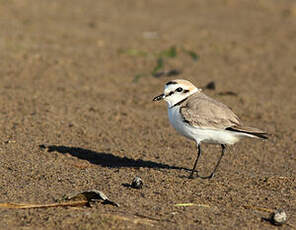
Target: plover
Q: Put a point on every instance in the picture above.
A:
(203, 119)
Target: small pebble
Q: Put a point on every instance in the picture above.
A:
(211, 85)
(137, 183)
(278, 217)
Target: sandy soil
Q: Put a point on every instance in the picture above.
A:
(66, 84)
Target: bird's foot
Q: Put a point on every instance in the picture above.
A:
(191, 176)
(207, 177)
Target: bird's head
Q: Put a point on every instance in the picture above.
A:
(175, 91)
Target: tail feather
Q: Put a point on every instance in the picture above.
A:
(249, 130)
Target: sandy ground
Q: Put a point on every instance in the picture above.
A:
(67, 84)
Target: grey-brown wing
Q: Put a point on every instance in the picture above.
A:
(205, 112)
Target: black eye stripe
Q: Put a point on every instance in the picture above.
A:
(178, 90)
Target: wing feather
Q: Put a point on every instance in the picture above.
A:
(204, 112)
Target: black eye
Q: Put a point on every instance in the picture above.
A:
(179, 89)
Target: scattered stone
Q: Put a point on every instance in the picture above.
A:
(211, 86)
(278, 217)
(137, 183)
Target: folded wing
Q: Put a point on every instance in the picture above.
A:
(204, 112)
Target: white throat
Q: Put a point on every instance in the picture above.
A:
(175, 99)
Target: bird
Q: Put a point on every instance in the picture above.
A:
(203, 119)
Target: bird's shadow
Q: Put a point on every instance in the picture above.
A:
(107, 159)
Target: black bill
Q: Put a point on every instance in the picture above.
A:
(159, 97)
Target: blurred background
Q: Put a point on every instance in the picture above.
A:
(81, 75)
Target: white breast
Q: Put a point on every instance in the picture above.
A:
(207, 135)
(178, 122)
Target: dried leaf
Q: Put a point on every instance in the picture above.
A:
(92, 195)
(60, 204)
(268, 210)
(78, 199)
(192, 204)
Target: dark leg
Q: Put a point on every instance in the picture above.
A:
(213, 173)
(198, 155)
